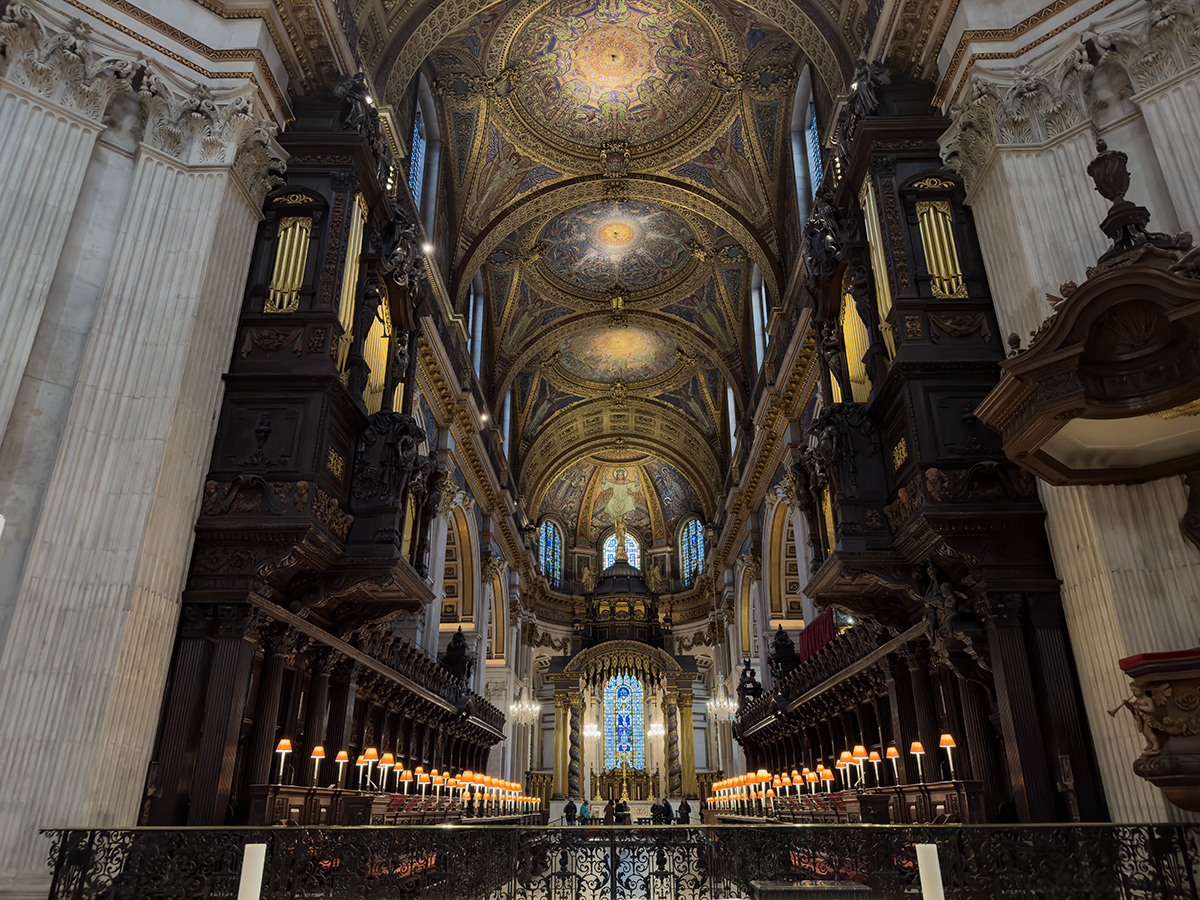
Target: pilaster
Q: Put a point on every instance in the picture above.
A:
(96, 613)
(562, 711)
(687, 746)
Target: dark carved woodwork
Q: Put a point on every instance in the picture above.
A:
(937, 537)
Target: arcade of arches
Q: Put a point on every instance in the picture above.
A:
(608, 397)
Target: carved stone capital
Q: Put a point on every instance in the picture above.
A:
(200, 129)
(60, 62)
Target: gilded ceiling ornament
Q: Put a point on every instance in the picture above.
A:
(618, 394)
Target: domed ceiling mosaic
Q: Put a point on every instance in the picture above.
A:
(613, 71)
(601, 246)
(618, 172)
(606, 355)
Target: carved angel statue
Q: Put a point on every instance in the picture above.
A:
(654, 579)
(589, 579)
(1141, 707)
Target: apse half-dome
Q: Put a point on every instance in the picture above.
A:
(602, 246)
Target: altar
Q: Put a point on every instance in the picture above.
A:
(640, 784)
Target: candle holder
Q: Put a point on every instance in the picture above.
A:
(918, 751)
(283, 749)
(318, 754)
(948, 742)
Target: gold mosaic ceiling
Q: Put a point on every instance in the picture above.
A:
(615, 172)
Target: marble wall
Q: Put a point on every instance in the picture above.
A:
(130, 222)
(1028, 101)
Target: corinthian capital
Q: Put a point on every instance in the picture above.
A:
(199, 128)
(59, 61)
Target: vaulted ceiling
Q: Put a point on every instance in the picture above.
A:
(615, 172)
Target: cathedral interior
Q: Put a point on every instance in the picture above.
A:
(444, 413)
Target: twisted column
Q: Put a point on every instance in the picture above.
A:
(573, 753)
(674, 770)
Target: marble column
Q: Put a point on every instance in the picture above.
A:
(573, 766)
(53, 96)
(674, 770)
(687, 746)
(562, 711)
(87, 650)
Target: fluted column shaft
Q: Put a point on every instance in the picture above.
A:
(44, 150)
(181, 730)
(562, 711)
(687, 746)
(260, 760)
(95, 616)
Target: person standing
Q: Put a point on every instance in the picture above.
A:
(570, 811)
(584, 813)
(610, 813)
(685, 813)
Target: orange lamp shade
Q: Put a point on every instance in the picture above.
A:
(860, 752)
(826, 775)
(318, 753)
(820, 767)
(467, 775)
(372, 755)
(770, 793)
(874, 757)
(916, 747)
(761, 773)
(776, 782)
(285, 746)
(343, 756)
(387, 761)
(795, 773)
(893, 753)
(803, 771)
(362, 761)
(435, 772)
(841, 764)
(423, 779)
(846, 756)
(811, 777)
(406, 775)
(787, 781)
(947, 741)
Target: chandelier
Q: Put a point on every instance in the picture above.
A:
(591, 730)
(722, 707)
(657, 730)
(524, 712)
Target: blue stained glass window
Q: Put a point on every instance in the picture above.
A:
(814, 148)
(624, 739)
(551, 546)
(416, 159)
(632, 549)
(691, 549)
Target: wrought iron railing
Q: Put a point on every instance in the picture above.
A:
(1105, 862)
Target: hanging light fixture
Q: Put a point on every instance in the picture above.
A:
(524, 712)
(722, 707)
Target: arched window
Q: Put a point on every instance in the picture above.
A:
(691, 549)
(551, 545)
(633, 549)
(806, 144)
(624, 739)
(416, 159)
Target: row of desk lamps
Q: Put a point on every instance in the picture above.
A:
(743, 791)
(507, 795)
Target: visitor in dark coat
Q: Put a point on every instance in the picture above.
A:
(685, 813)
(668, 812)
(610, 815)
(570, 811)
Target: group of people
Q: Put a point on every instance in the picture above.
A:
(617, 813)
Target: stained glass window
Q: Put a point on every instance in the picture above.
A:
(814, 148)
(416, 160)
(691, 549)
(624, 740)
(551, 546)
(632, 549)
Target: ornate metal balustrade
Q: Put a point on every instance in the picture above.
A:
(1121, 862)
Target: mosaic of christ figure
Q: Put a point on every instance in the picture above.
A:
(622, 501)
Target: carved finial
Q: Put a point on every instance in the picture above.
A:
(1110, 172)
